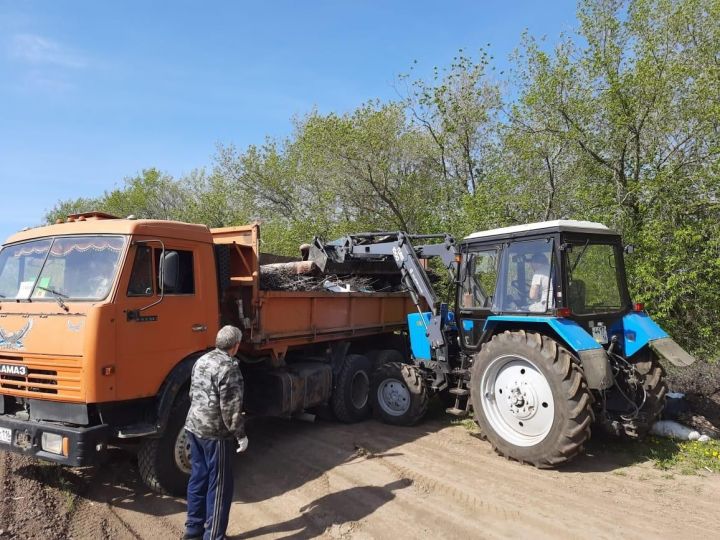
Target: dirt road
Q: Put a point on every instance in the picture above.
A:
(369, 480)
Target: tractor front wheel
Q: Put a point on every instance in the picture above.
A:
(399, 394)
(530, 398)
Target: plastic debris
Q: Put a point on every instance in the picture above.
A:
(675, 395)
(336, 286)
(674, 430)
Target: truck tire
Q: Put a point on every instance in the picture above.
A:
(530, 398)
(387, 356)
(399, 394)
(350, 399)
(164, 462)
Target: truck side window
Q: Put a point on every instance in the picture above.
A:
(141, 275)
(185, 282)
(478, 287)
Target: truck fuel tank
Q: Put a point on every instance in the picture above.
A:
(287, 391)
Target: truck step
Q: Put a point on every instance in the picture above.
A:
(459, 391)
(456, 412)
(136, 430)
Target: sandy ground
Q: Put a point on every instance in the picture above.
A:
(369, 480)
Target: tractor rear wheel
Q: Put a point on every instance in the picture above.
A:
(652, 378)
(531, 399)
(399, 394)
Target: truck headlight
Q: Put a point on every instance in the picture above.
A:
(53, 443)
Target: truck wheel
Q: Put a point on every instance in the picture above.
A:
(350, 402)
(530, 398)
(164, 462)
(387, 356)
(399, 394)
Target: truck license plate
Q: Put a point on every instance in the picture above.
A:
(599, 334)
(5, 435)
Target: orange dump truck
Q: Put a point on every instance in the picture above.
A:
(101, 320)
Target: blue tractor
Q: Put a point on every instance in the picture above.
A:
(544, 343)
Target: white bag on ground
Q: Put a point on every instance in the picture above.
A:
(675, 430)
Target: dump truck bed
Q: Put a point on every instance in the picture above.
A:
(276, 321)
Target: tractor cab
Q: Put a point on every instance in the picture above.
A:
(566, 269)
(544, 313)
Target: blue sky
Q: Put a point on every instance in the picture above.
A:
(92, 92)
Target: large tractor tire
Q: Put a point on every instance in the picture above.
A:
(350, 400)
(653, 382)
(530, 398)
(164, 462)
(399, 394)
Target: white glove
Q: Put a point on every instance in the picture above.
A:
(242, 444)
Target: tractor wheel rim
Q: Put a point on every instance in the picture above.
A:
(359, 389)
(393, 397)
(182, 452)
(517, 400)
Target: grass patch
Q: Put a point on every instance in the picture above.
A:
(467, 423)
(688, 457)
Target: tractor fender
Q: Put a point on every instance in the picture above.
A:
(638, 330)
(177, 380)
(593, 358)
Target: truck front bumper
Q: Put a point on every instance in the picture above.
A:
(80, 445)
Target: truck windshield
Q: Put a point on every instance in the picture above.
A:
(71, 268)
(593, 281)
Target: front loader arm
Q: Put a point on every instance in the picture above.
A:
(369, 253)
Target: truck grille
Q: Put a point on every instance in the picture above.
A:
(44, 382)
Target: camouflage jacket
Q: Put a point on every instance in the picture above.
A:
(216, 397)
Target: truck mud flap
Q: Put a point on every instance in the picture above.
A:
(672, 352)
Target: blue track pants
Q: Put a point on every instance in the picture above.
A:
(210, 489)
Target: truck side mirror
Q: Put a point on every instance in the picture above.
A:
(629, 249)
(169, 271)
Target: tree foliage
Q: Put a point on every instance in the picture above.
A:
(618, 122)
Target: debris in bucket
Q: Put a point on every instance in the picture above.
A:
(674, 430)
(306, 276)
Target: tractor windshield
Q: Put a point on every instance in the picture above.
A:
(593, 280)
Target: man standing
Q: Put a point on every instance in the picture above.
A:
(540, 285)
(213, 421)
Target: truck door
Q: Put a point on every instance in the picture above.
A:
(478, 278)
(156, 332)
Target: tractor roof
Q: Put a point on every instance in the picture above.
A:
(559, 225)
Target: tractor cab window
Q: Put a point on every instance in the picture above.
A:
(527, 278)
(478, 287)
(593, 281)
